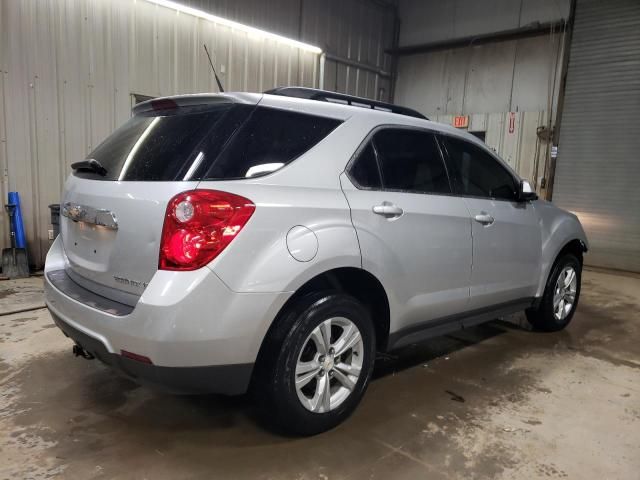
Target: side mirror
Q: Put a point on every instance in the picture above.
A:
(526, 192)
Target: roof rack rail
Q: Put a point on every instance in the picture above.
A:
(326, 96)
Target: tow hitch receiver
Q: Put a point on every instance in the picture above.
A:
(78, 351)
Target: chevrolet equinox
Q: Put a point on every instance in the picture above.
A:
(221, 243)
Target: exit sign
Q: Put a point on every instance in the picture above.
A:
(461, 121)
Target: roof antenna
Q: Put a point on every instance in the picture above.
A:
(214, 70)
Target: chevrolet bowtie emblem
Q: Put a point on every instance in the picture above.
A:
(76, 212)
(85, 214)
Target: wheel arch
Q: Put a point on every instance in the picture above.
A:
(354, 281)
(575, 246)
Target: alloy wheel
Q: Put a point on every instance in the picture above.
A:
(564, 294)
(329, 365)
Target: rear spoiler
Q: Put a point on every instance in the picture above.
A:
(163, 103)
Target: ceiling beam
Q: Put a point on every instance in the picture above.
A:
(532, 30)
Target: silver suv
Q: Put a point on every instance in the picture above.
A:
(274, 242)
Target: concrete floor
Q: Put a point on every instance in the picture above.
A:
(496, 401)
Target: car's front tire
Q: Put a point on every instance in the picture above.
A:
(560, 298)
(316, 364)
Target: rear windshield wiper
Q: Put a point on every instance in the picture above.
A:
(90, 164)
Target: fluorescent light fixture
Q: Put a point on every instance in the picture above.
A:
(235, 25)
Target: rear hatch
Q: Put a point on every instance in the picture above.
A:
(115, 201)
(111, 221)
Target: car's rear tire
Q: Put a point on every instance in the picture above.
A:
(316, 363)
(561, 295)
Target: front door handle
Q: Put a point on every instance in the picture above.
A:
(484, 218)
(388, 210)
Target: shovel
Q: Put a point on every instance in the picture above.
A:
(14, 260)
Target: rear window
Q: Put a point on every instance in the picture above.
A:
(217, 143)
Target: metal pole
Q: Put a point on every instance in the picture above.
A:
(550, 168)
(323, 58)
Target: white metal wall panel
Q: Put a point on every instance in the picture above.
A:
(4, 183)
(425, 21)
(489, 78)
(598, 168)
(516, 75)
(357, 30)
(68, 69)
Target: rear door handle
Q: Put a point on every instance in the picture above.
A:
(484, 219)
(388, 210)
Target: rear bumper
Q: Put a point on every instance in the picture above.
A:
(225, 379)
(200, 336)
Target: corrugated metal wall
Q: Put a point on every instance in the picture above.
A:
(425, 21)
(598, 167)
(354, 30)
(347, 30)
(69, 69)
(511, 76)
(357, 30)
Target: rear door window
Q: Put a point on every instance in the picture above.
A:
(364, 172)
(410, 160)
(211, 142)
(401, 159)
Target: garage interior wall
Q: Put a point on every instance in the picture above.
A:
(598, 166)
(508, 88)
(349, 31)
(70, 71)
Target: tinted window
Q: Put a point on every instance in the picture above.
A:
(410, 160)
(364, 171)
(161, 146)
(475, 172)
(269, 140)
(213, 142)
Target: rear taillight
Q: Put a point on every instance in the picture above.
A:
(198, 225)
